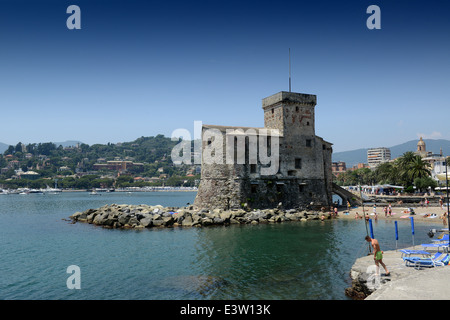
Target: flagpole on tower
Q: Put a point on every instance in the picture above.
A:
(289, 69)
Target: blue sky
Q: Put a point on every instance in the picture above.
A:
(142, 68)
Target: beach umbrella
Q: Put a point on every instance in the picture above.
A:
(412, 228)
(396, 235)
(371, 229)
(364, 214)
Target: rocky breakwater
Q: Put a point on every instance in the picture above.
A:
(145, 216)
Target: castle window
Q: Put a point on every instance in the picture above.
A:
(301, 187)
(298, 163)
(296, 109)
(254, 188)
(252, 168)
(291, 172)
(307, 123)
(279, 187)
(272, 111)
(308, 143)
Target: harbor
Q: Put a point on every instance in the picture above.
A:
(48, 190)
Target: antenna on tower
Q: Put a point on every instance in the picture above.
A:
(289, 69)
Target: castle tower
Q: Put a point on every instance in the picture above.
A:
(304, 174)
(290, 112)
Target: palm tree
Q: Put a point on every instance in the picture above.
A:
(411, 166)
(386, 173)
(418, 169)
(404, 161)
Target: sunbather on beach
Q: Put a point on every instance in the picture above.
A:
(377, 254)
(444, 218)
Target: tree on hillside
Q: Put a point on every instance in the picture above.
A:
(46, 148)
(10, 150)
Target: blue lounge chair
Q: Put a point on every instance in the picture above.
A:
(435, 261)
(406, 252)
(444, 238)
(409, 261)
(435, 245)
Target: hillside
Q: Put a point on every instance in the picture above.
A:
(69, 143)
(163, 145)
(354, 157)
(82, 166)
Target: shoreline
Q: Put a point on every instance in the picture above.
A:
(431, 214)
(36, 191)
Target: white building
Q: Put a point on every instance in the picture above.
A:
(375, 156)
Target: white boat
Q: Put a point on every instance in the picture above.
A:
(35, 191)
(23, 191)
(49, 190)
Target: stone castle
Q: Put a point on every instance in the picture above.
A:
(302, 176)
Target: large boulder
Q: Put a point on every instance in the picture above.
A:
(146, 222)
(187, 221)
(124, 218)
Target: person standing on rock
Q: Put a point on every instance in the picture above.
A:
(377, 254)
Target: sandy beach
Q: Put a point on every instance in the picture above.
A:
(433, 214)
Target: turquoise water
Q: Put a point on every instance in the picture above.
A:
(293, 260)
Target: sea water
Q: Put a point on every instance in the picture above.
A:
(290, 260)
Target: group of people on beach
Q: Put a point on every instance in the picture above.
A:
(424, 203)
(387, 212)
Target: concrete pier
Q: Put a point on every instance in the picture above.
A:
(404, 283)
